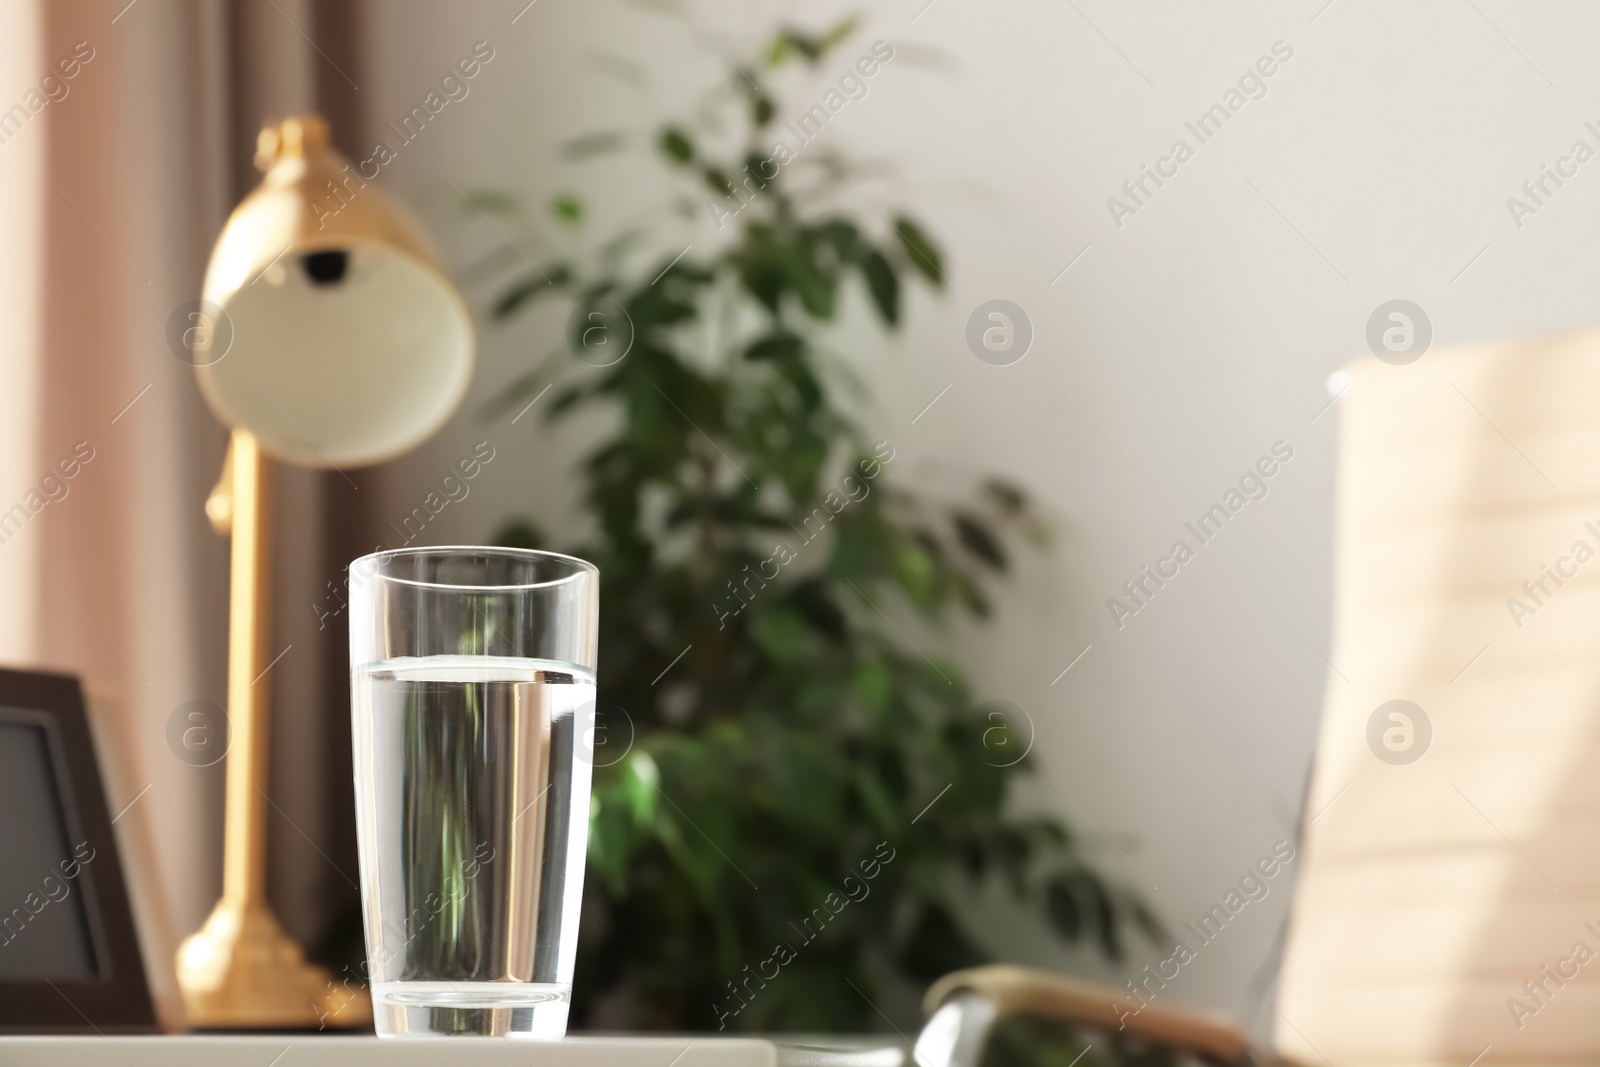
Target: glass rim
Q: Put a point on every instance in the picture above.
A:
(371, 562)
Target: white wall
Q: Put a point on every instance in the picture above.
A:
(1188, 340)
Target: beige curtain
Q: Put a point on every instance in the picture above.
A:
(115, 190)
(21, 248)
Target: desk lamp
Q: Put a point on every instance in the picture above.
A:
(328, 337)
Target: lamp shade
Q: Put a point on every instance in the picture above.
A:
(338, 341)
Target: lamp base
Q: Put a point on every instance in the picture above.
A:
(241, 971)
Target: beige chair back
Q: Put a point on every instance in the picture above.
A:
(1448, 908)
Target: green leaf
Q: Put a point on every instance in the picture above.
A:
(520, 533)
(806, 278)
(1062, 907)
(920, 250)
(883, 285)
(783, 635)
(815, 604)
(872, 686)
(976, 538)
(915, 569)
(675, 145)
(970, 595)
(652, 308)
(757, 175)
(875, 798)
(566, 399)
(781, 48)
(841, 30)
(641, 785)
(609, 836)
(842, 236)
(567, 208)
(592, 144)
(812, 47)
(775, 346)
(520, 294)
(719, 183)
(539, 283)
(805, 781)
(1010, 499)
(808, 390)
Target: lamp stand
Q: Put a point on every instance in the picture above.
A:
(241, 970)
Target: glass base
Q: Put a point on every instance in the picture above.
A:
(533, 1010)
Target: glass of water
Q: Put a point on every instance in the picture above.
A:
(472, 678)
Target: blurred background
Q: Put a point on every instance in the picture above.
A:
(1186, 331)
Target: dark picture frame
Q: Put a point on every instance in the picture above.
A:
(117, 996)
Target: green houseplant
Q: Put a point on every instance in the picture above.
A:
(804, 790)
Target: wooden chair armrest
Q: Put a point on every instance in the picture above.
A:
(1021, 990)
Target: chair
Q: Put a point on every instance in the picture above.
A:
(1448, 905)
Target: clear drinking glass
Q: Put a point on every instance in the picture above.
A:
(472, 678)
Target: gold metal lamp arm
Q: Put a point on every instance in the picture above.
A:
(249, 685)
(241, 969)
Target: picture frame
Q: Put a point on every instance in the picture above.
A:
(61, 878)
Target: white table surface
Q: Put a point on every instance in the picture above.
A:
(323, 1050)
(329, 1050)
